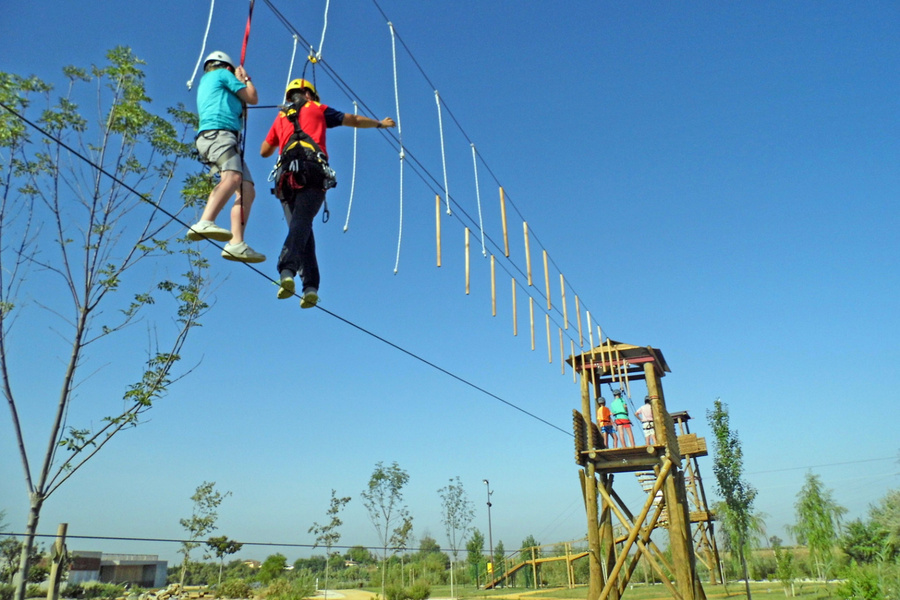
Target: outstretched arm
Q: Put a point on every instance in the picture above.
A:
(362, 122)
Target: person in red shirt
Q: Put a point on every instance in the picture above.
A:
(298, 254)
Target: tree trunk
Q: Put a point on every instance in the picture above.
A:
(34, 515)
(746, 574)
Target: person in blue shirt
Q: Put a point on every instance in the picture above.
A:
(221, 95)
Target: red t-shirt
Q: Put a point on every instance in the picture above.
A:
(315, 118)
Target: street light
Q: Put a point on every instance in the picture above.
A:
(490, 533)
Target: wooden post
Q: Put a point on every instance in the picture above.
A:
(574, 370)
(527, 252)
(467, 261)
(534, 569)
(589, 489)
(493, 286)
(562, 352)
(680, 539)
(437, 224)
(58, 557)
(607, 537)
(503, 218)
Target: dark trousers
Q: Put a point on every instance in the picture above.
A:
(298, 254)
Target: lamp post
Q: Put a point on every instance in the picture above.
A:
(490, 534)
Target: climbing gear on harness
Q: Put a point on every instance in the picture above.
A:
(297, 85)
(218, 56)
(302, 163)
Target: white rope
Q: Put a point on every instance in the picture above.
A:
(437, 97)
(324, 27)
(400, 140)
(478, 197)
(353, 177)
(291, 68)
(190, 82)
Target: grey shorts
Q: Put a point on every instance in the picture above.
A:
(220, 149)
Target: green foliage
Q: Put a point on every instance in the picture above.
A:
(383, 499)
(886, 516)
(203, 519)
(475, 555)
(395, 592)
(420, 590)
(290, 589)
(7, 590)
(34, 591)
(72, 590)
(234, 588)
(862, 583)
(865, 542)
(95, 589)
(272, 568)
(457, 513)
(818, 523)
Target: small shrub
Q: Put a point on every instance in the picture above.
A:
(395, 592)
(72, 590)
(34, 591)
(234, 588)
(7, 591)
(293, 589)
(420, 590)
(95, 589)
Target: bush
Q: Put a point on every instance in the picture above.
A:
(73, 590)
(95, 589)
(34, 591)
(420, 590)
(7, 591)
(234, 588)
(395, 592)
(284, 589)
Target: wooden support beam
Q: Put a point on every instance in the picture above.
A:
(527, 252)
(437, 222)
(503, 219)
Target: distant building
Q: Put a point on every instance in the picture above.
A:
(253, 564)
(144, 570)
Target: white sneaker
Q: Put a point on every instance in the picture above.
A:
(242, 253)
(310, 298)
(286, 287)
(208, 229)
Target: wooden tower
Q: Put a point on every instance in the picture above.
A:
(610, 571)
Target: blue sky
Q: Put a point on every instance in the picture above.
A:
(715, 180)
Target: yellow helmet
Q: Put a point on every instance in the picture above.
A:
(297, 85)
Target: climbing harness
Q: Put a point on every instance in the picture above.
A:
(302, 163)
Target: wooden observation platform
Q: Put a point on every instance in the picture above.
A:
(663, 474)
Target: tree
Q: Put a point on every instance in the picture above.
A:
(77, 240)
(272, 568)
(383, 499)
(528, 544)
(457, 515)
(221, 546)
(885, 515)
(202, 521)
(738, 495)
(328, 534)
(475, 554)
(785, 569)
(499, 559)
(818, 523)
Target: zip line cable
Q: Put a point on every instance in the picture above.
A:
(360, 328)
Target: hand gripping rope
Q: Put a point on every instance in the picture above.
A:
(190, 82)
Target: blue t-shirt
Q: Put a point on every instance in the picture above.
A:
(217, 101)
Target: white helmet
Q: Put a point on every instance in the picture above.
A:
(219, 56)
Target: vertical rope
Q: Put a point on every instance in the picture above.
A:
(324, 27)
(478, 198)
(190, 82)
(353, 177)
(437, 98)
(293, 56)
(400, 140)
(247, 33)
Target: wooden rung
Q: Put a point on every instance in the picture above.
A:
(547, 281)
(578, 312)
(493, 286)
(562, 352)
(562, 298)
(531, 314)
(527, 252)
(549, 345)
(503, 218)
(467, 260)
(437, 221)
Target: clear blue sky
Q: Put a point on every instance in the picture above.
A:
(719, 181)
